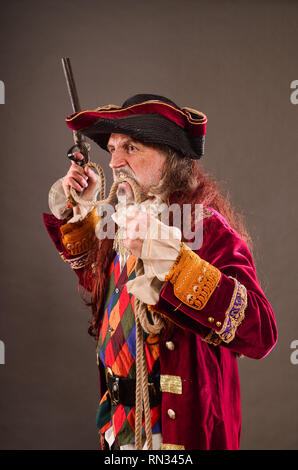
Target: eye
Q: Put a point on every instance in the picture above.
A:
(131, 148)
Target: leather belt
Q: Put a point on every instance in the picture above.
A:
(123, 391)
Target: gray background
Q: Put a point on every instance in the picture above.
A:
(232, 60)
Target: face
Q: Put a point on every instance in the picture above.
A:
(137, 160)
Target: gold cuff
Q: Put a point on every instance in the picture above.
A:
(194, 279)
(78, 237)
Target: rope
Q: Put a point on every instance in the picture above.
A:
(142, 392)
(146, 321)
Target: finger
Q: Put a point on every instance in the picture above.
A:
(90, 174)
(81, 179)
(78, 156)
(76, 167)
(75, 185)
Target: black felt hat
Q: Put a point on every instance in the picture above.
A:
(149, 118)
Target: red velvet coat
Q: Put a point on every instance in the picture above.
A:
(206, 414)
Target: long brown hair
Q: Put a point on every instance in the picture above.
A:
(183, 180)
(186, 181)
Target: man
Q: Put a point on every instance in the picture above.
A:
(205, 297)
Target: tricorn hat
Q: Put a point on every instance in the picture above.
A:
(152, 119)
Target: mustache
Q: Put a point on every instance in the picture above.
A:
(126, 172)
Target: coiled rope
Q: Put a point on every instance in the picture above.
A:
(146, 321)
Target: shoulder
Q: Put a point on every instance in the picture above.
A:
(217, 235)
(214, 220)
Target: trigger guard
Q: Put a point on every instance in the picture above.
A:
(70, 155)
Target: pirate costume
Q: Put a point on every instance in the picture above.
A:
(211, 296)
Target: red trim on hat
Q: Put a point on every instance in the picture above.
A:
(182, 117)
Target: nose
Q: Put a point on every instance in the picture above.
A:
(117, 159)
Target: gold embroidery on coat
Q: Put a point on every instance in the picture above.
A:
(171, 384)
(171, 447)
(212, 338)
(235, 313)
(78, 262)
